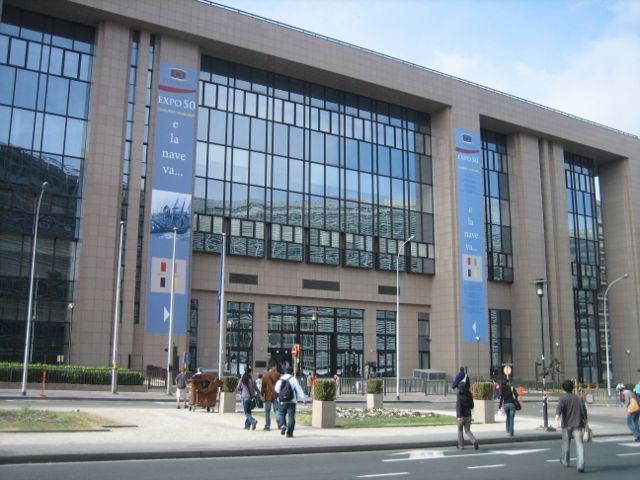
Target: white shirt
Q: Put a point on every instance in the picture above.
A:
(298, 393)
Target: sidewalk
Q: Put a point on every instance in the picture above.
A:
(140, 432)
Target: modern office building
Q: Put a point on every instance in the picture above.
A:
(373, 211)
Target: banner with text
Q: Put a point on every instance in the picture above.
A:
(473, 289)
(172, 185)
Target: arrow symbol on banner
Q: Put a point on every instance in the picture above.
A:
(473, 327)
(166, 314)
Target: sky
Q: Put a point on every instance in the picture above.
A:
(581, 57)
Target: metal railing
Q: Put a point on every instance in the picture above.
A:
(358, 386)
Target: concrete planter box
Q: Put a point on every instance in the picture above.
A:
(323, 414)
(227, 402)
(484, 411)
(375, 400)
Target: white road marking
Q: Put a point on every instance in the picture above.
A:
(557, 460)
(383, 475)
(630, 444)
(627, 454)
(497, 465)
(438, 454)
(606, 439)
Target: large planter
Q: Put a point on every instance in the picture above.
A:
(323, 414)
(484, 411)
(227, 402)
(374, 400)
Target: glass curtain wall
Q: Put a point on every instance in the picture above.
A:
(497, 207)
(500, 340)
(304, 173)
(45, 73)
(585, 263)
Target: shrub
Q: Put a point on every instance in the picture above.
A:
(375, 385)
(483, 391)
(229, 383)
(79, 374)
(324, 390)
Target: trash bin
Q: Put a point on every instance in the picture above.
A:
(203, 391)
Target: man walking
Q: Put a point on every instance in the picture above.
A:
(574, 415)
(268, 392)
(181, 387)
(289, 394)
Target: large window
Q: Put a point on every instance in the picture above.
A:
(386, 342)
(497, 207)
(500, 340)
(239, 337)
(585, 262)
(45, 70)
(331, 175)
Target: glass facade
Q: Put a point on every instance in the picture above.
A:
(331, 339)
(497, 207)
(386, 342)
(45, 73)
(585, 262)
(500, 341)
(239, 336)
(305, 173)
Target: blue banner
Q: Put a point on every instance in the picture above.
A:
(172, 188)
(473, 288)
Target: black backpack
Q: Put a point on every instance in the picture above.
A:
(286, 391)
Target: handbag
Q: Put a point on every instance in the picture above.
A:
(516, 402)
(633, 406)
(587, 433)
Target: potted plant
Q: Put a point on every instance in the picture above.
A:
(375, 397)
(228, 394)
(484, 408)
(323, 412)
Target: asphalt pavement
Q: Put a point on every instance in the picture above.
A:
(147, 425)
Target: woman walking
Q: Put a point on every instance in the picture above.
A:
(247, 388)
(508, 401)
(464, 405)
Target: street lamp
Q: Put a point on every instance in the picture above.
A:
(314, 318)
(34, 247)
(116, 317)
(398, 315)
(171, 308)
(629, 364)
(539, 283)
(606, 332)
(478, 355)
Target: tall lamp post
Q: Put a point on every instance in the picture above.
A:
(628, 352)
(171, 308)
(401, 249)
(539, 283)
(478, 356)
(314, 318)
(606, 332)
(34, 247)
(116, 316)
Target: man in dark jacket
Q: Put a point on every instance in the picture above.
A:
(574, 415)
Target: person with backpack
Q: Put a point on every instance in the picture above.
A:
(573, 413)
(289, 394)
(181, 387)
(630, 403)
(464, 405)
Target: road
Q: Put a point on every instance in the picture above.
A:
(605, 457)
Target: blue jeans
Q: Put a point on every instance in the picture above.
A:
(567, 434)
(246, 407)
(267, 413)
(632, 423)
(510, 415)
(289, 416)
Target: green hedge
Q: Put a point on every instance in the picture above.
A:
(78, 374)
(375, 385)
(324, 390)
(229, 383)
(483, 391)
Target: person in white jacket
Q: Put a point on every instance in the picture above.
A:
(289, 394)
